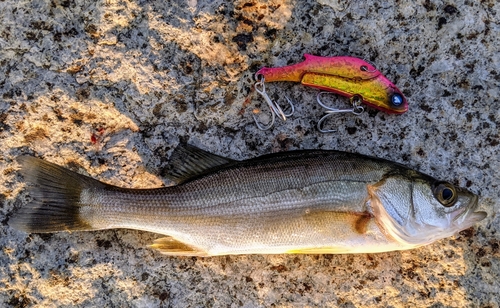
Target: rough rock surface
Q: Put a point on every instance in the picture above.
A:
(110, 87)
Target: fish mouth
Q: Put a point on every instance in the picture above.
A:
(469, 216)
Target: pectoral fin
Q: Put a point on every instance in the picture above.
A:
(172, 247)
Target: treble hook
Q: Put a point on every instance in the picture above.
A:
(260, 88)
(356, 109)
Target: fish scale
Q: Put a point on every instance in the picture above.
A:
(291, 202)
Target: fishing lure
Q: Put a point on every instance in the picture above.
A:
(347, 76)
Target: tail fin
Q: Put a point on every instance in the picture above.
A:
(56, 198)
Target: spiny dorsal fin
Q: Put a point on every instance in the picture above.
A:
(170, 246)
(188, 161)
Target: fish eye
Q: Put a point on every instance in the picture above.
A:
(396, 99)
(445, 193)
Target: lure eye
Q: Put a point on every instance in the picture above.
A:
(396, 99)
(445, 193)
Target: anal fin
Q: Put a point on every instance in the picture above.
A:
(172, 247)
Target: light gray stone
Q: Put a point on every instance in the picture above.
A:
(142, 76)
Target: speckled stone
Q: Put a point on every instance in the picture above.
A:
(109, 88)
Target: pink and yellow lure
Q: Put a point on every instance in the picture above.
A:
(347, 76)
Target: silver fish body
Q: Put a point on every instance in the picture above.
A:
(292, 202)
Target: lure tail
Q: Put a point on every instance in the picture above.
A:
(292, 73)
(57, 198)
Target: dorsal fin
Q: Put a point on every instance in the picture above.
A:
(188, 161)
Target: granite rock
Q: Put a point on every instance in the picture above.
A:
(109, 88)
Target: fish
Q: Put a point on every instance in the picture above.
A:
(347, 76)
(296, 202)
